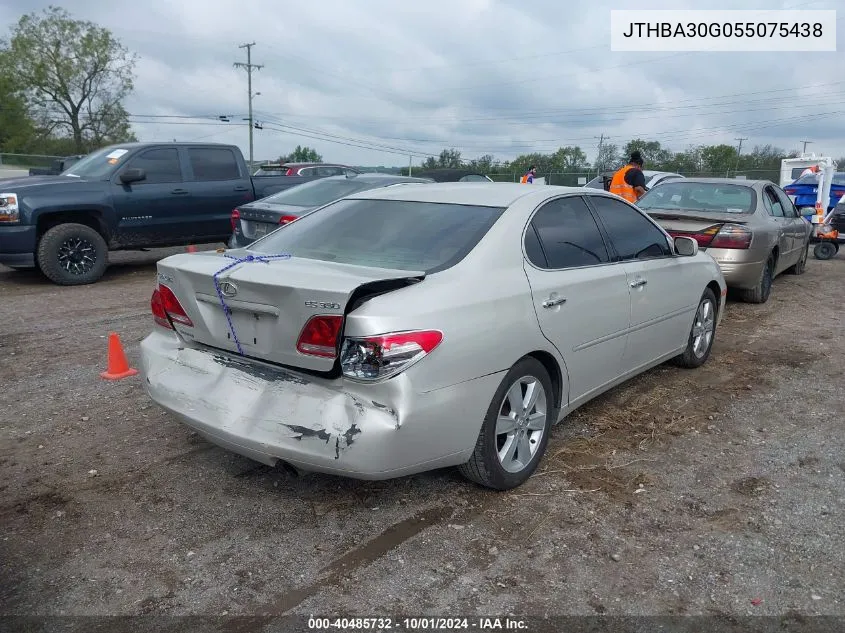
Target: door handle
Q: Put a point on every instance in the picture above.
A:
(241, 188)
(179, 192)
(551, 303)
(638, 283)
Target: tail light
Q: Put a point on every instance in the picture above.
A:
(290, 172)
(287, 219)
(732, 236)
(319, 336)
(236, 215)
(703, 237)
(167, 309)
(157, 306)
(380, 357)
(790, 191)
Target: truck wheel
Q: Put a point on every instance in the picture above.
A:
(824, 250)
(72, 255)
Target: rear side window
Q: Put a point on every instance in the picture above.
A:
(214, 163)
(569, 236)
(772, 204)
(395, 234)
(632, 234)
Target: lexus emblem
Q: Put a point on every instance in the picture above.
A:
(228, 289)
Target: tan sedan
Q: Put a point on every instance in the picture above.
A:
(750, 227)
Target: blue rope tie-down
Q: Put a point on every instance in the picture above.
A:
(226, 309)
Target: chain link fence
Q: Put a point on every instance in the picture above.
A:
(578, 179)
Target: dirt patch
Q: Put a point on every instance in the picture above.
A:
(751, 486)
(687, 492)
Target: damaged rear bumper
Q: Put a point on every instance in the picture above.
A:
(271, 414)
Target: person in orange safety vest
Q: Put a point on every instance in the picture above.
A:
(529, 177)
(629, 182)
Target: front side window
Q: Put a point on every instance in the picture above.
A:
(159, 165)
(568, 236)
(393, 234)
(633, 235)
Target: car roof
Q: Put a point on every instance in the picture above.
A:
(482, 194)
(728, 181)
(379, 177)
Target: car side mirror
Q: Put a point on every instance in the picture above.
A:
(133, 174)
(686, 246)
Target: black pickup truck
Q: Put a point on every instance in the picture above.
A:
(56, 167)
(125, 197)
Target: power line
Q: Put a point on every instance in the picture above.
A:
(249, 67)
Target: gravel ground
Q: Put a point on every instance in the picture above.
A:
(711, 492)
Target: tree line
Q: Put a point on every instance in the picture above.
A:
(565, 164)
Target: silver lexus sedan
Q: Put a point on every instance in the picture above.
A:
(409, 328)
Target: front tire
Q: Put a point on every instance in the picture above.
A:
(516, 428)
(72, 255)
(702, 334)
(763, 290)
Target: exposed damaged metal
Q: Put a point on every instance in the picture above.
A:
(263, 372)
(391, 412)
(304, 431)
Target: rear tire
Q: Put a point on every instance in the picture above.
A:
(825, 250)
(763, 290)
(800, 266)
(72, 255)
(702, 333)
(513, 437)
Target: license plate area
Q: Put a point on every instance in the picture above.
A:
(261, 229)
(253, 329)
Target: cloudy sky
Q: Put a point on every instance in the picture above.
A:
(369, 82)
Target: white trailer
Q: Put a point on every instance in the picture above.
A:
(791, 168)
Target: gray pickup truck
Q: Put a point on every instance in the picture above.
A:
(124, 197)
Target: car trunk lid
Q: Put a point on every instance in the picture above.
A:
(259, 218)
(269, 302)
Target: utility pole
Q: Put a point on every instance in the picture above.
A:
(738, 152)
(249, 66)
(598, 156)
(410, 165)
(804, 151)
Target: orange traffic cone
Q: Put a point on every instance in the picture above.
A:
(118, 365)
(190, 248)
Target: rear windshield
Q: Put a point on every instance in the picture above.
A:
(698, 197)
(270, 170)
(401, 235)
(813, 179)
(319, 192)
